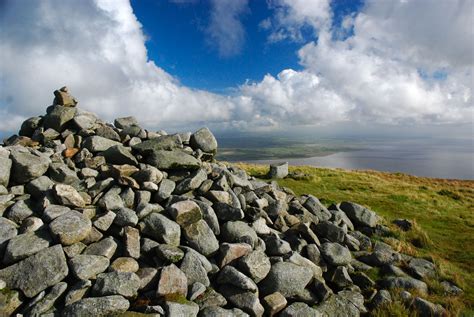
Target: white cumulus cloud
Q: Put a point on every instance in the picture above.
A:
(403, 62)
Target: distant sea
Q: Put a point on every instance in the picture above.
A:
(452, 159)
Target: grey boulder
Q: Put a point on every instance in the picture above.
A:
(38, 272)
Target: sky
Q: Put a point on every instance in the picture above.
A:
(244, 65)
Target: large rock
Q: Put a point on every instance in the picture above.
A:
(8, 229)
(185, 212)
(201, 238)
(164, 142)
(27, 165)
(161, 228)
(58, 117)
(175, 159)
(68, 196)
(86, 267)
(98, 306)
(335, 254)
(98, 144)
(119, 155)
(279, 170)
(71, 227)
(172, 281)
(342, 305)
(25, 245)
(287, 278)
(125, 122)
(256, 265)
(405, 282)
(38, 272)
(5, 169)
(116, 283)
(204, 140)
(185, 309)
(245, 300)
(360, 215)
(63, 98)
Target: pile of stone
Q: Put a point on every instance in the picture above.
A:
(100, 219)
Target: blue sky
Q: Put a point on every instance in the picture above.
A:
(177, 41)
(243, 65)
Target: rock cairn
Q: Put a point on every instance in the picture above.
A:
(100, 219)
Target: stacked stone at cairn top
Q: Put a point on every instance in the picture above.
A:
(99, 219)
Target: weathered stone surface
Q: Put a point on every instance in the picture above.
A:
(278, 170)
(98, 306)
(119, 155)
(61, 173)
(165, 189)
(172, 281)
(204, 140)
(405, 282)
(26, 244)
(188, 309)
(238, 231)
(131, 242)
(38, 272)
(427, 308)
(360, 215)
(191, 183)
(256, 265)
(229, 275)
(68, 196)
(71, 227)
(287, 278)
(98, 144)
(86, 267)
(9, 302)
(161, 228)
(116, 283)
(274, 303)
(125, 217)
(104, 221)
(124, 264)
(194, 269)
(336, 254)
(77, 292)
(27, 165)
(232, 251)
(105, 247)
(421, 268)
(63, 98)
(185, 212)
(8, 229)
(58, 117)
(39, 186)
(164, 142)
(169, 253)
(342, 305)
(47, 302)
(5, 169)
(201, 238)
(245, 300)
(301, 309)
(125, 122)
(85, 121)
(175, 159)
(19, 211)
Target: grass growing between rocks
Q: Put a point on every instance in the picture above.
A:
(443, 212)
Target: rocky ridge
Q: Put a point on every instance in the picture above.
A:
(100, 219)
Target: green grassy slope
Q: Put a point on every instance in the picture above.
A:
(443, 210)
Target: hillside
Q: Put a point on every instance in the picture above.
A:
(442, 209)
(101, 219)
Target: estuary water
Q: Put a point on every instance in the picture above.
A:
(452, 159)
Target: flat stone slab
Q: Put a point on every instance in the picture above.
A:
(38, 272)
